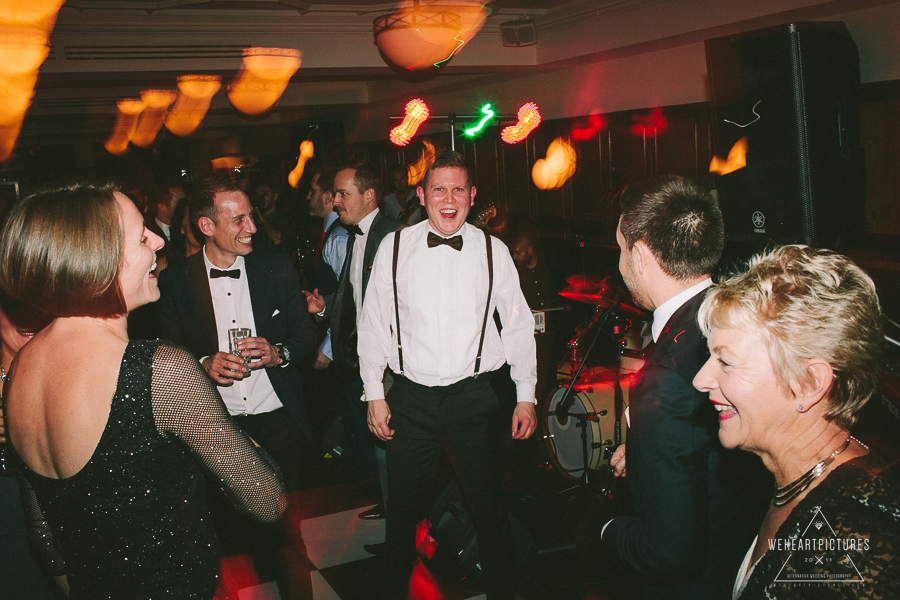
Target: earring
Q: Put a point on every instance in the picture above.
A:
(800, 406)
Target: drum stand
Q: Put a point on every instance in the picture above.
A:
(562, 410)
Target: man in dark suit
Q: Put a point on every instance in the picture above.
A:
(225, 287)
(697, 506)
(357, 191)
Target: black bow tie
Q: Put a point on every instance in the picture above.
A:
(455, 242)
(216, 273)
(353, 230)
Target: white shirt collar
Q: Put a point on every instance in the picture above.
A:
(237, 264)
(664, 311)
(166, 229)
(367, 221)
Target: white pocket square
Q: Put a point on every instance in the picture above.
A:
(276, 312)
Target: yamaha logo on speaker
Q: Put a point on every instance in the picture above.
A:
(759, 220)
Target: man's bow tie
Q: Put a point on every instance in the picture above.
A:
(353, 229)
(216, 273)
(455, 242)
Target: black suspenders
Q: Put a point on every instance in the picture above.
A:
(487, 306)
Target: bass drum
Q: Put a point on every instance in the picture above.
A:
(563, 438)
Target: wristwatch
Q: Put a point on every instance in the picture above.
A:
(283, 353)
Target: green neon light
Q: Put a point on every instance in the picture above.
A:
(488, 115)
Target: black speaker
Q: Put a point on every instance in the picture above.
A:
(793, 92)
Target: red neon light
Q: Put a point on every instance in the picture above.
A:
(416, 113)
(655, 122)
(529, 118)
(595, 125)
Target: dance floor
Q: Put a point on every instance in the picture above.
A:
(321, 556)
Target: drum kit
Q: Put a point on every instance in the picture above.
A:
(584, 421)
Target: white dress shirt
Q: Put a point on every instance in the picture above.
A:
(442, 294)
(356, 261)
(334, 250)
(231, 303)
(166, 229)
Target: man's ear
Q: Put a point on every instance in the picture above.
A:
(641, 256)
(369, 196)
(206, 225)
(421, 194)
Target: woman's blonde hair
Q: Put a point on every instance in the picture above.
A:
(807, 303)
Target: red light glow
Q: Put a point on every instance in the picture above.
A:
(416, 113)
(595, 124)
(655, 122)
(529, 118)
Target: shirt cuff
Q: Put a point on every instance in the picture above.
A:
(525, 393)
(373, 391)
(325, 346)
(322, 313)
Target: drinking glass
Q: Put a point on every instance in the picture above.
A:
(235, 336)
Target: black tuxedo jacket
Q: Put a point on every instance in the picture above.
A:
(186, 317)
(343, 311)
(697, 505)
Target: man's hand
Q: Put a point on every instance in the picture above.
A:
(224, 368)
(314, 301)
(523, 421)
(379, 417)
(321, 361)
(617, 462)
(259, 348)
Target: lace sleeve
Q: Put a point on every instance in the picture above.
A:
(40, 537)
(187, 405)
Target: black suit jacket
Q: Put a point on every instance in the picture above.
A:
(697, 505)
(186, 317)
(343, 311)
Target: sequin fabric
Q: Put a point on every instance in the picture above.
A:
(134, 523)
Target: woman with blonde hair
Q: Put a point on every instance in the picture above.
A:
(796, 344)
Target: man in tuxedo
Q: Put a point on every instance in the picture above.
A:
(697, 506)
(437, 338)
(159, 221)
(227, 286)
(357, 191)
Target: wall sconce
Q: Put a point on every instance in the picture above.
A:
(194, 95)
(263, 78)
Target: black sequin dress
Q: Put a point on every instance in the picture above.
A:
(133, 523)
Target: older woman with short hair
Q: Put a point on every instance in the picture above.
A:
(796, 345)
(113, 435)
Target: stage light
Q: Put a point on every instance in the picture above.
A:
(488, 115)
(552, 172)
(529, 118)
(416, 171)
(307, 151)
(264, 76)
(651, 124)
(194, 95)
(416, 113)
(737, 159)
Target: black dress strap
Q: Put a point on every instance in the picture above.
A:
(396, 301)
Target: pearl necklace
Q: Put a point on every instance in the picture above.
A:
(784, 495)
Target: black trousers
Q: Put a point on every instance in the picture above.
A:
(280, 436)
(466, 421)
